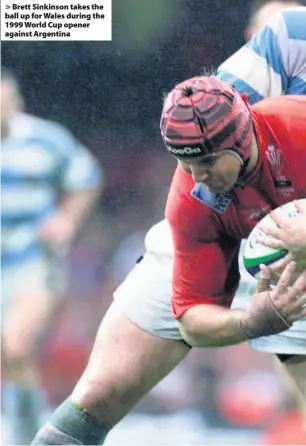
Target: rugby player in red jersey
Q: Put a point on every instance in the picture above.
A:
(139, 342)
(224, 175)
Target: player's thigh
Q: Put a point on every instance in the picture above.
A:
(27, 307)
(126, 363)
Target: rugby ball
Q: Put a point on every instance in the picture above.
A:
(255, 253)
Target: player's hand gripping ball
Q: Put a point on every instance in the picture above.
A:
(256, 253)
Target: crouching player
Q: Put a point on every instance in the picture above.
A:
(139, 341)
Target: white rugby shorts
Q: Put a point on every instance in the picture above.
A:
(145, 298)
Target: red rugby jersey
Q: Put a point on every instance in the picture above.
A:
(207, 228)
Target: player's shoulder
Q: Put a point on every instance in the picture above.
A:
(276, 106)
(281, 118)
(28, 125)
(51, 129)
(289, 22)
(180, 188)
(284, 32)
(287, 25)
(188, 209)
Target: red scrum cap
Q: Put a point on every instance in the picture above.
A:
(204, 115)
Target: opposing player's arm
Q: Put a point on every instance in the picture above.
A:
(205, 278)
(273, 60)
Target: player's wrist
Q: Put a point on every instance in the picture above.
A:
(263, 320)
(240, 324)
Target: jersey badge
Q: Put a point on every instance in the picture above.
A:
(219, 202)
(276, 162)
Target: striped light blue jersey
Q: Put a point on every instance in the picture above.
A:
(274, 61)
(40, 161)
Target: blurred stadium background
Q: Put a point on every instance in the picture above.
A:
(109, 95)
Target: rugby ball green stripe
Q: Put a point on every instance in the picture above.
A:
(269, 258)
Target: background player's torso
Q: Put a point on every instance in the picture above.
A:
(40, 161)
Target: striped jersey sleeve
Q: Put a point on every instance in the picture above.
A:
(274, 61)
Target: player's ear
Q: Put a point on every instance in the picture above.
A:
(249, 32)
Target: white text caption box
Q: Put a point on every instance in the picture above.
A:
(65, 20)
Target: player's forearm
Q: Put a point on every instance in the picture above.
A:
(211, 326)
(76, 206)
